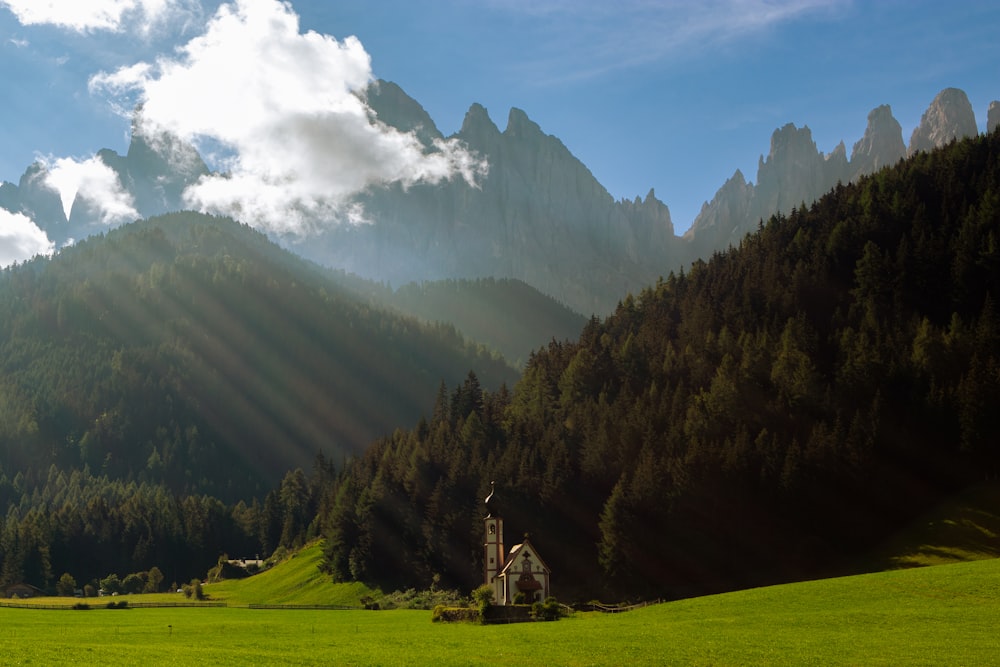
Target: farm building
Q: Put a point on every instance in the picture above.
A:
(21, 591)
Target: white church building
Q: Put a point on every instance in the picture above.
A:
(519, 571)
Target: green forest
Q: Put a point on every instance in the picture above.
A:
(187, 363)
(766, 415)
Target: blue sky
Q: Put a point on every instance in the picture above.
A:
(671, 95)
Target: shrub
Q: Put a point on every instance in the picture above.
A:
(111, 584)
(66, 585)
(414, 599)
(444, 614)
(196, 591)
(153, 580)
(483, 596)
(133, 583)
(81, 606)
(550, 610)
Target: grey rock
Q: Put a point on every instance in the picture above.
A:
(881, 146)
(539, 215)
(948, 117)
(993, 116)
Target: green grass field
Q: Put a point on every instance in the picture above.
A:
(937, 615)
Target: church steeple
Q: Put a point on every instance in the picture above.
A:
(489, 499)
(493, 553)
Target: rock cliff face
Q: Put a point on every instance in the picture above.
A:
(993, 116)
(154, 172)
(881, 146)
(795, 172)
(949, 116)
(539, 216)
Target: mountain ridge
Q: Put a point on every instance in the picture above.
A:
(539, 215)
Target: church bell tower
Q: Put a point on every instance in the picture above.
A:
(493, 553)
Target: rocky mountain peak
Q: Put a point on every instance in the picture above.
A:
(519, 126)
(39, 200)
(395, 108)
(881, 145)
(478, 129)
(993, 116)
(794, 170)
(949, 117)
(721, 221)
(789, 141)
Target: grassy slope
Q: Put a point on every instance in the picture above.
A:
(936, 615)
(297, 580)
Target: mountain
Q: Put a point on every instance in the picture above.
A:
(796, 173)
(881, 146)
(174, 349)
(540, 216)
(771, 414)
(151, 178)
(949, 117)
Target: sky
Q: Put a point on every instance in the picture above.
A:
(668, 95)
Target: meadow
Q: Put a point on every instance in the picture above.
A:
(946, 614)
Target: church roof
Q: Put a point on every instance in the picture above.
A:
(516, 549)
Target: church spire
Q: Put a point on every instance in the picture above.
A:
(489, 500)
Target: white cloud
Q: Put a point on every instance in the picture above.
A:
(93, 15)
(282, 112)
(95, 183)
(21, 239)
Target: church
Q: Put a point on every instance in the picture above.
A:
(519, 575)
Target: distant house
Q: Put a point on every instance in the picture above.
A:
(520, 574)
(21, 591)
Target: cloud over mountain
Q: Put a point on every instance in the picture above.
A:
(95, 183)
(282, 114)
(21, 239)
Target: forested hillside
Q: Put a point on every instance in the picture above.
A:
(190, 351)
(766, 415)
(505, 314)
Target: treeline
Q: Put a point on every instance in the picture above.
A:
(768, 415)
(190, 352)
(99, 530)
